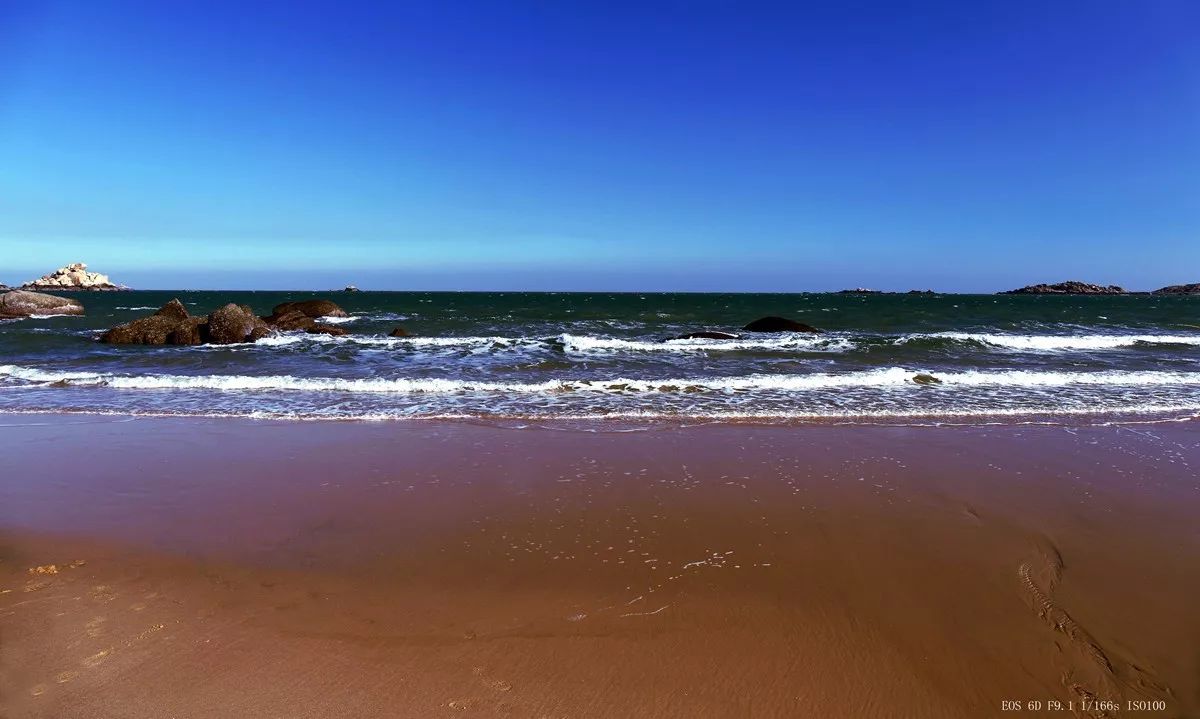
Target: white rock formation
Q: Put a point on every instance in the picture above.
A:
(72, 277)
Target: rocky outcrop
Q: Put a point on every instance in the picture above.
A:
(398, 332)
(707, 335)
(230, 324)
(778, 324)
(72, 277)
(351, 288)
(1071, 287)
(310, 308)
(860, 291)
(22, 303)
(1193, 289)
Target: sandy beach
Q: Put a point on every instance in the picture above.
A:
(219, 567)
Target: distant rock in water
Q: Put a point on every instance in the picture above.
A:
(860, 291)
(311, 308)
(921, 292)
(230, 324)
(350, 288)
(708, 335)
(778, 324)
(22, 303)
(398, 332)
(1068, 288)
(73, 277)
(1193, 289)
(926, 379)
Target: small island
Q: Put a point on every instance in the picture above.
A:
(73, 277)
(1070, 287)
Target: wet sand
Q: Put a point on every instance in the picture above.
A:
(219, 568)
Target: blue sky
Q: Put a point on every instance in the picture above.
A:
(574, 146)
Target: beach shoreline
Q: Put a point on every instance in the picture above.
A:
(274, 568)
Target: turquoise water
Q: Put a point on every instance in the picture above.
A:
(566, 355)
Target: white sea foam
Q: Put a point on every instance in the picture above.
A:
(1061, 343)
(894, 377)
(801, 342)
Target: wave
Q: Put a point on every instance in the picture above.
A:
(884, 378)
(1057, 343)
(791, 342)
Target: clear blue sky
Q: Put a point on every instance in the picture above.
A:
(676, 146)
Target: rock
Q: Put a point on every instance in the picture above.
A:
(1193, 289)
(926, 379)
(170, 325)
(231, 324)
(398, 332)
(778, 324)
(22, 303)
(350, 288)
(320, 329)
(292, 320)
(72, 277)
(174, 309)
(310, 308)
(1071, 287)
(707, 335)
(259, 332)
(860, 291)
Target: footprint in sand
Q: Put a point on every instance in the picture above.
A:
(95, 626)
(497, 684)
(102, 593)
(1090, 673)
(96, 659)
(64, 677)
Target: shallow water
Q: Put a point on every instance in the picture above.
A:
(569, 355)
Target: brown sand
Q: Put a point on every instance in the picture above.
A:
(269, 569)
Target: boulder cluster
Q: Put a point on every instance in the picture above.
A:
(72, 277)
(21, 303)
(230, 324)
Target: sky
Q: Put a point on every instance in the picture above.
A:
(679, 146)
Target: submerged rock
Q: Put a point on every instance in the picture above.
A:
(22, 303)
(399, 332)
(707, 335)
(926, 379)
(1071, 287)
(778, 324)
(1193, 289)
(310, 308)
(72, 277)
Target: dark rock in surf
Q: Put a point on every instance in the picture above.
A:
(1193, 289)
(399, 332)
(926, 379)
(1071, 287)
(291, 321)
(22, 303)
(778, 324)
(310, 308)
(170, 325)
(231, 324)
(707, 335)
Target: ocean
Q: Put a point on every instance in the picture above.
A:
(533, 357)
